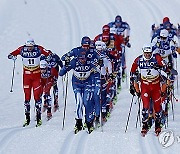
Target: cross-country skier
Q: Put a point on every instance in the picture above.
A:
(82, 81)
(166, 48)
(101, 79)
(150, 88)
(122, 30)
(48, 78)
(54, 61)
(30, 53)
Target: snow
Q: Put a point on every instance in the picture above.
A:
(59, 25)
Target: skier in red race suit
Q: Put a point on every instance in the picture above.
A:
(150, 89)
(30, 53)
(48, 77)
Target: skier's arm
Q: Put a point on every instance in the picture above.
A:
(67, 68)
(13, 55)
(69, 54)
(43, 50)
(58, 60)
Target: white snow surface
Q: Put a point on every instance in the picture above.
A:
(59, 25)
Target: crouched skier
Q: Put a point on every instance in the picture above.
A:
(82, 81)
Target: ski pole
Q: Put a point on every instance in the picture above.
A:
(172, 106)
(63, 79)
(177, 79)
(12, 80)
(65, 101)
(138, 114)
(101, 111)
(129, 113)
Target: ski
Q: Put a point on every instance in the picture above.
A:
(157, 131)
(144, 132)
(48, 118)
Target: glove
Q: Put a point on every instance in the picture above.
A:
(132, 90)
(153, 27)
(67, 61)
(138, 94)
(10, 56)
(163, 94)
(174, 54)
(128, 45)
(111, 76)
(100, 62)
(170, 65)
(67, 58)
(156, 67)
(48, 58)
(174, 72)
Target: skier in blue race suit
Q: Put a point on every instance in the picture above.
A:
(82, 82)
(82, 86)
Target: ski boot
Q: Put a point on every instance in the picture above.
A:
(145, 118)
(27, 121)
(39, 121)
(150, 121)
(108, 111)
(123, 75)
(84, 126)
(144, 129)
(96, 122)
(49, 116)
(157, 123)
(115, 100)
(78, 127)
(104, 118)
(157, 131)
(118, 85)
(118, 89)
(90, 127)
(111, 105)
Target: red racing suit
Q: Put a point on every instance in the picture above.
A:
(31, 70)
(149, 80)
(48, 78)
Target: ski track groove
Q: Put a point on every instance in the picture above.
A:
(67, 144)
(143, 149)
(74, 17)
(70, 21)
(147, 141)
(109, 10)
(154, 140)
(159, 12)
(150, 11)
(78, 18)
(115, 9)
(7, 129)
(149, 5)
(10, 136)
(81, 146)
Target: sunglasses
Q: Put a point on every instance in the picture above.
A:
(163, 38)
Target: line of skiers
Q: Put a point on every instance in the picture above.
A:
(153, 73)
(96, 63)
(98, 68)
